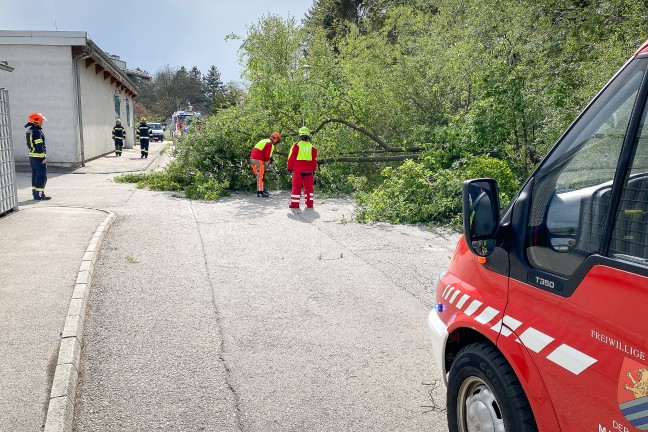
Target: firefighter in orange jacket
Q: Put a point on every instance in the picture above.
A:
(302, 162)
(35, 140)
(260, 156)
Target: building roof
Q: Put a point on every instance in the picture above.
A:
(82, 49)
(130, 72)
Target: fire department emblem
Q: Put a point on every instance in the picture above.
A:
(633, 393)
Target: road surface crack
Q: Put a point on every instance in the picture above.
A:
(221, 357)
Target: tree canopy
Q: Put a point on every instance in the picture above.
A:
(406, 98)
(173, 89)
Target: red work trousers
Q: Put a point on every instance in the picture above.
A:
(306, 181)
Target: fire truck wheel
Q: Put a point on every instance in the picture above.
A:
(485, 395)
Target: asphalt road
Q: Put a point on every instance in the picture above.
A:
(240, 315)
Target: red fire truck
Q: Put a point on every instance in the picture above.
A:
(541, 320)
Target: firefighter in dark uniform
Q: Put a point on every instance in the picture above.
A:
(35, 139)
(118, 135)
(144, 133)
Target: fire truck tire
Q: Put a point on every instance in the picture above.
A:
(485, 395)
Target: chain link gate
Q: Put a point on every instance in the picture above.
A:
(8, 189)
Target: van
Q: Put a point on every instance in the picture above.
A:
(541, 321)
(157, 131)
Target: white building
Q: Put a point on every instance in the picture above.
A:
(75, 85)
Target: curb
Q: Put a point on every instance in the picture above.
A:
(60, 412)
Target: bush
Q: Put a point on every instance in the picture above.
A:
(413, 193)
(173, 178)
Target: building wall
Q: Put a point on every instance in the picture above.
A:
(98, 108)
(127, 116)
(42, 82)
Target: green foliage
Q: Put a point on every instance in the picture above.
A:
(334, 180)
(472, 89)
(414, 193)
(194, 185)
(405, 196)
(172, 89)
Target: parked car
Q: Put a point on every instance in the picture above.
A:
(540, 322)
(158, 131)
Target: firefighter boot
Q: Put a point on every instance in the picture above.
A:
(265, 194)
(40, 196)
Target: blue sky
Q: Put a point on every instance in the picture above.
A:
(150, 34)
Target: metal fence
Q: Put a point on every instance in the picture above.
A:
(8, 189)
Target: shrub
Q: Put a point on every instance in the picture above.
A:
(413, 193)
(194, 185)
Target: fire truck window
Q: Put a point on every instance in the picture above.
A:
(630, 234)
(571, 194)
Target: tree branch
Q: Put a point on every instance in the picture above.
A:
(367, 159)
(389, 150)
(380, 142)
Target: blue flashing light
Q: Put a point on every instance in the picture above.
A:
(439, 307)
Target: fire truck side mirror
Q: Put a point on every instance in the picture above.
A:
(480, 214)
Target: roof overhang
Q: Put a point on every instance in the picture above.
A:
(52, 38)
(92, 56)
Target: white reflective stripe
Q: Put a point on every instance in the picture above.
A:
(448, 292)
(571, 359)
(463, 301)
(564, 356)
(454, 296)
(295, 196)
(498, 327)
(487, 315)
(535, 340)
(473, 307)
(511, 323)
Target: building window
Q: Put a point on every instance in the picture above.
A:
(117, 106)
(128, 112)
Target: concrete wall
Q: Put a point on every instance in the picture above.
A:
(42, 82)
(98, 108)
(127, 117)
